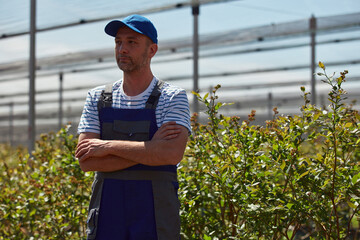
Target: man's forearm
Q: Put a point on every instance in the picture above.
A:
(151, 153)
(165, 148)
(108, 163)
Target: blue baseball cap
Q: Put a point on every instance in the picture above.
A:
(135, 22)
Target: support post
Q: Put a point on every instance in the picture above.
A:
(60, 100)
(195, 13)
(313, 63)
(11, 124)
(270, 106)
(32, 69)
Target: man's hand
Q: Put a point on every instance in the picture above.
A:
(167, 131)
(92, 147)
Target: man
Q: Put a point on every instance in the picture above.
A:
(133, 133)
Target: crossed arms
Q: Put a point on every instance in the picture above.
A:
(165, 148)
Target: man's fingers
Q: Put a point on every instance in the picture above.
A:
(169, 126)
(84, 147)
(80, 152)
(167, 131)
(80, 146)
(170, 130)
(171, 136)
(169, 123)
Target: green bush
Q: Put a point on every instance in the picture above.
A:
(45, 196)
(297, 177)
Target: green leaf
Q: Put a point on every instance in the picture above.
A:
(32, 213)
(289, 205)
(35, 175)
(53, 168)
(206, 237)
(304, 174)
(353, 196)
(325, 183)
(283, 165)
(355, 178)
(218, 105)
(195, 93)
(351, 204)
(316, 116)
(206, 96)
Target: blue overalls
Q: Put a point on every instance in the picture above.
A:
(140, 202)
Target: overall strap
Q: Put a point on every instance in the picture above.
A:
(154, 96)
(105, 99)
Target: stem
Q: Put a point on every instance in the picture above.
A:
(232, 218)
(334, 138)
(297, 226)
(349, 223)
(276, 224)
(335, 99)
(222, 211)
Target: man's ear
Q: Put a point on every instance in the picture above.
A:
(153, 49)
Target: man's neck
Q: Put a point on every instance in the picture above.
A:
(136, 82)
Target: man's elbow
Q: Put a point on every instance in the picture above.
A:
(85, 166)
(176, 158)
(173, 157)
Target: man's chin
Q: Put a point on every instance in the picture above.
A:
(125, 67)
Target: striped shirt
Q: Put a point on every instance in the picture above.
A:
(173, 105)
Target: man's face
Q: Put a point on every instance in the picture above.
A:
(132, 50)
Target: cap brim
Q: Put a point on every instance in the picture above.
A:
(112, 27)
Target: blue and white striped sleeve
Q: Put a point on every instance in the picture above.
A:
(89, 121)
(179, 110)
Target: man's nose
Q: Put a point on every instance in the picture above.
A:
(121, 48)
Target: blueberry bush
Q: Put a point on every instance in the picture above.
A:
(298, 177)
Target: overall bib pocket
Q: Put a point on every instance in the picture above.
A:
(126, 130)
